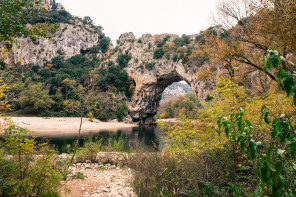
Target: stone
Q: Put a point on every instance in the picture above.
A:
(87, 166)
(128, 119)
(114, 121)
(151, 82)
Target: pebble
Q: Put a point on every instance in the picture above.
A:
(117, 180)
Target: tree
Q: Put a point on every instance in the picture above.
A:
(158, 53)
(34, 97)
(251, 28)
(13, 20)
(85, 102)
(13, 23)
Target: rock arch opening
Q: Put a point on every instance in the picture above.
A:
(146, 98)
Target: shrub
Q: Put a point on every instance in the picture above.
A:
(158, 53)
(175, 57)
(22, 172)
(123, 60)
(149, 65)
(104, 44)
(177, 174)
(89, 151)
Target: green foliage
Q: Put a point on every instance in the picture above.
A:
(150, 65)
(123, 59)
(184, 40)
(60, 78)
(115, 77)
(33, 97)
(60, 16)
(13, 22)
(165, 39)
(175, 57)
(91, 149)
(79, 175)
(187, 105)
(275, 166)
(158, 53)
(104, 44)
(22, 171)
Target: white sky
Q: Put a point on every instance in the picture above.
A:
(144, 16)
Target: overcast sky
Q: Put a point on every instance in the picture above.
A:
(144, 16)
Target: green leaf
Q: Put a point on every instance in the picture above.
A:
(249, 123)
(242, 140)
(280, 75)
(283, 60)
(266, 117)
(239, 123)
(269, 153)
(219, 124)
(241, 112)
(292, 146)
(253, 146)
(274, 57)
(275, 128)
(226, 126)
(264, 174)
(269, 64)
(288, 83)
(285, 129)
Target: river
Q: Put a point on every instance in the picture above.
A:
(143, 136)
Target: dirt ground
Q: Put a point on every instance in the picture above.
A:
(108, 181)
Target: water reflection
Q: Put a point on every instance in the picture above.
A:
(143, 136)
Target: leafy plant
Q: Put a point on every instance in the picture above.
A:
(275, 167)
(22, 171)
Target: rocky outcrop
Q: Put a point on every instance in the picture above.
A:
(73, 38)
(152, 75)
(69, 41)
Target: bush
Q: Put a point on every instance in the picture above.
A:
(89, 151)
(177, 174)
(149, 65)
(22, 172)
(123, 60)
(158, 53)
(175, 57)
(104, 44)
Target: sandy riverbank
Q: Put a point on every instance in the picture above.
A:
(54, 125)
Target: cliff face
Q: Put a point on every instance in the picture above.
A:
(152, 75)
(73, 38)
(69, 41)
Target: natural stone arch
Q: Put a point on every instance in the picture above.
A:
(150, 86)
(152, 76)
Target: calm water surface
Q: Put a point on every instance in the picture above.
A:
(143, 136)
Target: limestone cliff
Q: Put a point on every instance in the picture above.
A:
(153, 74)
(74, 37)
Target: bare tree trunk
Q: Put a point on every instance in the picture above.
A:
(77, 142)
